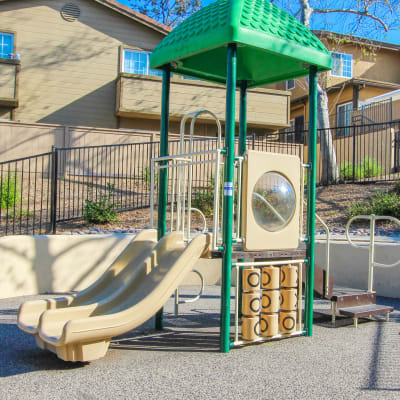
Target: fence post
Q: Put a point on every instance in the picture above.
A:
(53, 200)
(354, 152)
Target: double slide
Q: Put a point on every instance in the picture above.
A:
(130, 292)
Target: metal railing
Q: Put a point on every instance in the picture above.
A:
(40, 192)
(371, 246)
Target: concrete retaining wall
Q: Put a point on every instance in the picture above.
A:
(45, 264)
(54, 264)
(349, 267)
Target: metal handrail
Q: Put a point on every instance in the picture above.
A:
(371, 247)
(327, 250)
(191, 300)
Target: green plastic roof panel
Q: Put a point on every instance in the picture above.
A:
(272, 45)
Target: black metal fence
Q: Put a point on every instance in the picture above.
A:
(40, 191)
(361, 153)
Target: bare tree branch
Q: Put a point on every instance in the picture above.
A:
(352, 11)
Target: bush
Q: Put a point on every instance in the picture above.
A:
(9, 191)
(370, 167)
(204, 200)
(346, 171)
(381, 204)
(397, 187)
(102, 210)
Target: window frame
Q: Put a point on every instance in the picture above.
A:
(287, 84)
(13, 34)
(341, 75)
(343, 130)
(148, 69)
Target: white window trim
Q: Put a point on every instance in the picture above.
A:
(13, 43)
(338, 112)
(343, 54)
(138, 51)
(294, 84)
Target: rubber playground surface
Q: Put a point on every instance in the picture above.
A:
(183, 361)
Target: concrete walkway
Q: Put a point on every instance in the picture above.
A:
(183, 362)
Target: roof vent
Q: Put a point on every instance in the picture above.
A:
(70, 12)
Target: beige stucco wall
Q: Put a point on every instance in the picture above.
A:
(68, 69)
(140, 96)
(7, 80)
(42, 264)
(19, 139)
(349, 267)
(61, 263)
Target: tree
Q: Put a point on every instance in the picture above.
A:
(168, 12)
(371, 18)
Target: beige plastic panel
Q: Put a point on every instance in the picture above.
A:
(251, 303)
(269, 325)
(256, 164)
(251, 279)
(289, 276)
(287, 321)
(270, 277)
(270, 301)
(250, 328)
(83, 333)
(109, 283)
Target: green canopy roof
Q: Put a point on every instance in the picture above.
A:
(272, 45)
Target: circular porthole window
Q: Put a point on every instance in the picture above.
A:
(273, 201)
(70, 12)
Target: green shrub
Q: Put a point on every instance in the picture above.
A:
(346, 171)
(203, 199)
(370, 167)
(9, 191)
(102, 210)
(397, 187)
(380, 204)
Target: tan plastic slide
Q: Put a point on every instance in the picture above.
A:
(109, 283)
(83, 333)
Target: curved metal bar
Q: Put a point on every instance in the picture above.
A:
(197, 297)
(202, 216)
(350, 221)
(193, 299)
(371, 246)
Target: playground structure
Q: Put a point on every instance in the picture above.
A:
(246, 43)
(258, 199)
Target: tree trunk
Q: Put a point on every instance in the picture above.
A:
(330, 173)
(328, 154)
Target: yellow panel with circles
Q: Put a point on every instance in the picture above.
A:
(271, 200)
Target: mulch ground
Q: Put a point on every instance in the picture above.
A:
(332, 204)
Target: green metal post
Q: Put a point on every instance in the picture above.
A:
(243, 118)
(227, 221)
(311, 194)
(163, 179)
(242, 150)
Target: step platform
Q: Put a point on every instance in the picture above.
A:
(356, 304)
(365, 311)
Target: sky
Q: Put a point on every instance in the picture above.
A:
(334, 22)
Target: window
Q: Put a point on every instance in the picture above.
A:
(290, 84)
(342, 65)
(343, 118)
(6, 45)
(137, 62)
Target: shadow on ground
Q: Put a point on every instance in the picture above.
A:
(20, 355)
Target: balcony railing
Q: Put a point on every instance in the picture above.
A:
(140, 96)
(9, 70)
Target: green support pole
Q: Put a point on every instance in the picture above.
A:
(163, 179)
(242, 150)
(227, 221)
(243, 118)
(311, 197)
